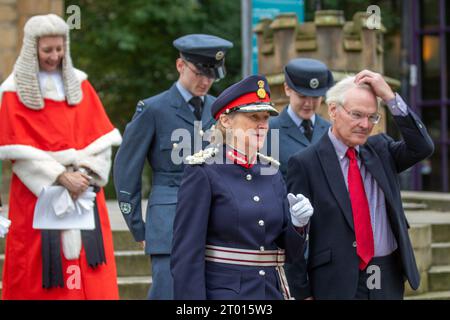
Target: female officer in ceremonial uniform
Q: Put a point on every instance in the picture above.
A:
(232, 228)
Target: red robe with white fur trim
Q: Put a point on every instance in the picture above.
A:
(41, 144)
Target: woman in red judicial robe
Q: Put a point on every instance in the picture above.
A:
(55, 131)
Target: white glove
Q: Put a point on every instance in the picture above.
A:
(300, 208)
(4, 226)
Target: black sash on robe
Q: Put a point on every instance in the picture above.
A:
(52, 271)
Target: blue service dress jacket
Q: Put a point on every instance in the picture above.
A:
(291, 139)
(149, 137)
(234, 206)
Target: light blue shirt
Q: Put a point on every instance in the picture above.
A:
(397, 106)
(384, 239)
(186, 95)
(298, 120)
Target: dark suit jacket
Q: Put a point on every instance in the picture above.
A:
(148, 136)
(292, 140)
(333, 263)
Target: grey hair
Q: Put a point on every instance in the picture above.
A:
(336, 94)
(219, 131)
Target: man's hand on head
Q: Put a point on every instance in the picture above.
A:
(377, 83)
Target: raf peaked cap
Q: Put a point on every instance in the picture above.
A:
(308, 77)
(251, 94)
(206, 52)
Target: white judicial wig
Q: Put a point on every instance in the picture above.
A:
(26, 68)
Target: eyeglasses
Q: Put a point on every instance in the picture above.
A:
(374, 118)
(197, 74)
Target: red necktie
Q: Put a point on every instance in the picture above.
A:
(361, 213)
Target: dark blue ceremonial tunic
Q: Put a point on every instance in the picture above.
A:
(231, 205)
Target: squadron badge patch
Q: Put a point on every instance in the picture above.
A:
(125, 207)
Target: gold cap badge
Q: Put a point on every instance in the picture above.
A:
(261, 93)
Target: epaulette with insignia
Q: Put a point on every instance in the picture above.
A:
(201, 156)
(270, 160)
(140, 106)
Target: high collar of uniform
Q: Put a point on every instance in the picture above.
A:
(239, 158)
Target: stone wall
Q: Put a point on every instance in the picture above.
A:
(421, 241)
(345, 46)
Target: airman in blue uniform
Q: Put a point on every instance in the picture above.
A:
(232, 229)
(306, 82)
(148, 136)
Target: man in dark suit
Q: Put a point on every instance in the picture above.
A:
(154, 134)
(306, 82)
(358, 237)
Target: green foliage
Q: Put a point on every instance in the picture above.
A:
(126, 48)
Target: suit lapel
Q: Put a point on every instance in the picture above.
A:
(181, 106)
(330, 165)
(373, 164)
(291, 129)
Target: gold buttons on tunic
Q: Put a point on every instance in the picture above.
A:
(261, 223)
(248, 177)
(256, 198)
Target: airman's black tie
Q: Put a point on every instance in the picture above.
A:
(197, 103)
(307, 128)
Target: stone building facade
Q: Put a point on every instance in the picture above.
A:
(345, 46)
